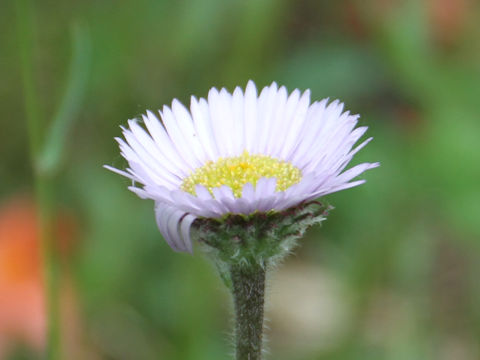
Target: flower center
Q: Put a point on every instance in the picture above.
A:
(237, 171)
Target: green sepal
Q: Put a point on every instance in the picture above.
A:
(257, 238)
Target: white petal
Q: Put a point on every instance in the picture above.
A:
(202, 192)
(248, 192)
(164, 215)
(185, 225)
(151, 166)
(140, 192)
(196, 206)
(266, 102)
(224, 195)
(354, 172)
(184, 148)
(250, 113)
(163, 141)
(227, 122)
(279, 123)
(203, 126)
(238, 122)
(153, 150)
(185, 124)
(120, 172)
(290, 110)
(264, 192)
(217, 117)
(297, 121)
(334, 153)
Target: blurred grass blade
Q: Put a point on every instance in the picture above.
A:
(25, 33)
(68, 109)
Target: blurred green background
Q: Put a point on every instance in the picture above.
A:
(392, 274)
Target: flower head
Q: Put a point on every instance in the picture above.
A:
(239, 153)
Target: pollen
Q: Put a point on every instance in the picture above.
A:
(237, 171)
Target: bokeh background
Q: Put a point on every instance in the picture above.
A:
(392, 274)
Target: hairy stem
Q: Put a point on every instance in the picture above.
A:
(248, 288)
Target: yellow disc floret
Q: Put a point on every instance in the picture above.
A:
(237, 171)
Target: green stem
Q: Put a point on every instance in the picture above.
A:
(248, 288)
(43, 183)
(44, 195)
(51, 264)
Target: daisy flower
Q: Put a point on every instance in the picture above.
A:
(239, 153)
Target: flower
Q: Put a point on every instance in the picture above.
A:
(239, 153)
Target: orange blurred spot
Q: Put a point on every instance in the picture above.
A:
(448, 18)
(22, 315)
(22, 300)
(19, 247)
